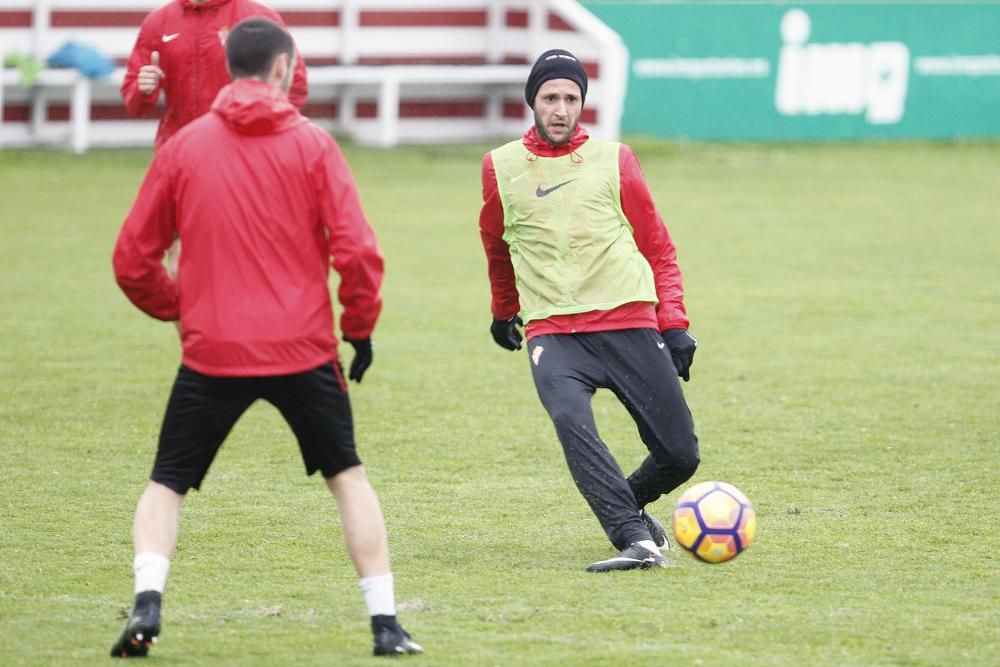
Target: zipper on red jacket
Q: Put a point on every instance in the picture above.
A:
(197, 56)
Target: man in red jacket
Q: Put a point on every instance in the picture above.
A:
(262, 200)
(577, 252)
(181, 51)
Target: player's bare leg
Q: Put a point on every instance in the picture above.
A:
(368, 547)
(155, 535)
(157, 517)
(362, 521)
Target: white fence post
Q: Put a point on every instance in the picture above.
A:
(613, 65)
(350, 21)
(41, 23)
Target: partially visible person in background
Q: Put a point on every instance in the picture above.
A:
(181, 52)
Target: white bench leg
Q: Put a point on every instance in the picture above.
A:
(80, 115)
(39, 109)
(494, 111)
(346, 119)
(388, 112)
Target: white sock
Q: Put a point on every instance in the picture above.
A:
(150, 571)
(650, 546)
(380, 595)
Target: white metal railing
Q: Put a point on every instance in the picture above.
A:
(346, 83)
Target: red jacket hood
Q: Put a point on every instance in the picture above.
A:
(543, 148)
(190, 4)
(251, 106)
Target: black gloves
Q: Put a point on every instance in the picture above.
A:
(682, 346)
(362, 358)
(505, 333)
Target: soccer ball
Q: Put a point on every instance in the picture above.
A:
(714, 521)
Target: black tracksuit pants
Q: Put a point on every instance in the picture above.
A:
(637, 367)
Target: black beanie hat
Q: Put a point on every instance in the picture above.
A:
(555, 64)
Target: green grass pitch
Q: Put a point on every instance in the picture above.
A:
(847, 303)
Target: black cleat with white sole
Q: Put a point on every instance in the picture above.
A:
(656, 530)
(391, 639)
(634, 557)
(142, 629)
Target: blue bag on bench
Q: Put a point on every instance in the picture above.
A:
(88, 60)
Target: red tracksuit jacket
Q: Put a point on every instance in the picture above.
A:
(190, 39)
(262, 199)
(651, 237)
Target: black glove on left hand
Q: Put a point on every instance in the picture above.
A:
(363, 352)
(682, 346)
(505, 333)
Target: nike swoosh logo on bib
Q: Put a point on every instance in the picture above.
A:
(168, 38)
(541, 192)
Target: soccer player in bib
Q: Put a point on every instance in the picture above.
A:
(578, 255)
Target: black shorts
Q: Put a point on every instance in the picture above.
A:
(202, 410)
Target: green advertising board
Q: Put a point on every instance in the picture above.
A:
(811, 70)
